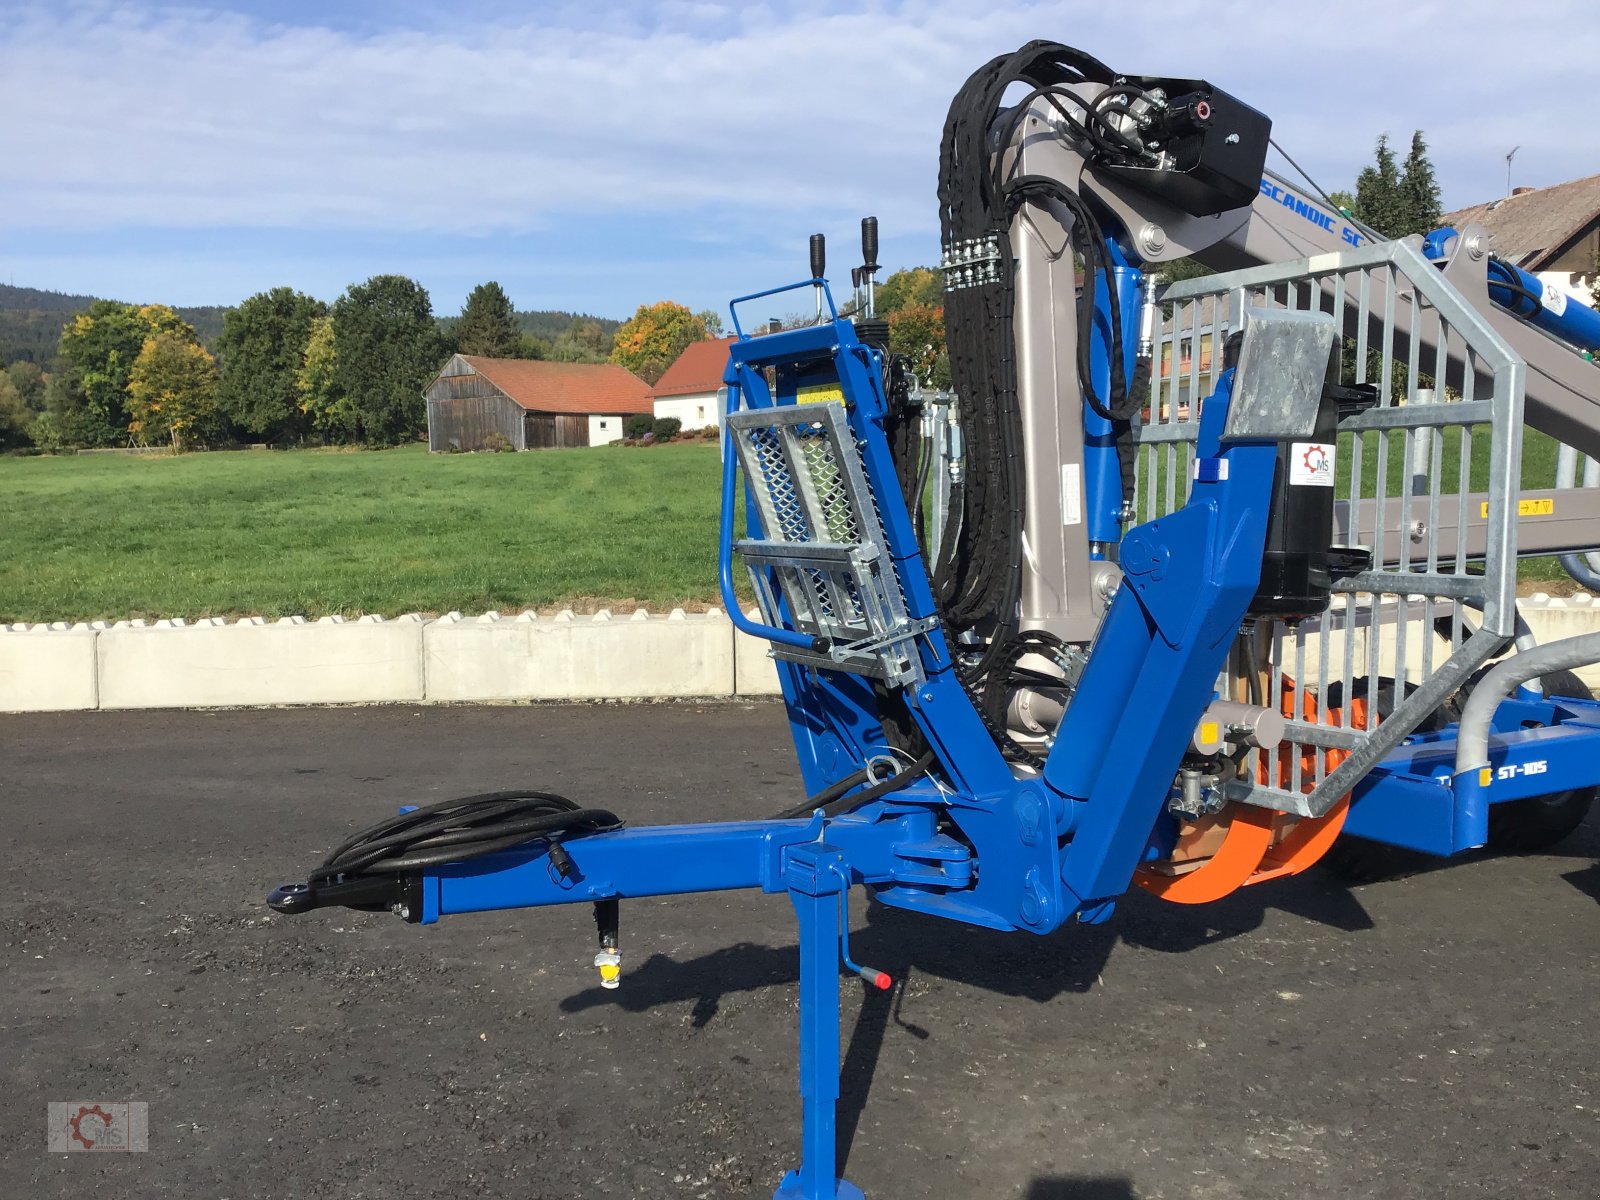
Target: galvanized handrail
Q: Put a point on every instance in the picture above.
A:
(1443, 373)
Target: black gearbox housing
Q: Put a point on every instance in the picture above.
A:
(1216, 162)
(1298, 566)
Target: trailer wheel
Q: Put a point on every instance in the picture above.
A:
(1358, 859)
(1539, 822)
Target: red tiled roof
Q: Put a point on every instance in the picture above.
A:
(565, 387)
(698, 369)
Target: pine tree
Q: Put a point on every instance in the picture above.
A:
(1419, 190)
(488, 324)
(1378, 199)
(1394, 200)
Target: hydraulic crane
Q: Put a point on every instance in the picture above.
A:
(1212, 590)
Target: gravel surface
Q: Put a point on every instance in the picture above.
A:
(1432, 1037)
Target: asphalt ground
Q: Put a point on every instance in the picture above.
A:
(1435, 1036)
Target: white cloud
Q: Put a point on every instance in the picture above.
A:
(720, 120)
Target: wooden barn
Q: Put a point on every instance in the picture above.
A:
(530, 404)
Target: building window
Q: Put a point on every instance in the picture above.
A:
(700, 412)
(603, 424)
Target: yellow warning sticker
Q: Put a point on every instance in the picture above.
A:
(1526, 508)
(1208, 732)
(818, 393)
(1485, 776)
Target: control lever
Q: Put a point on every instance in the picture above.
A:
(869, 261)
(819, 266)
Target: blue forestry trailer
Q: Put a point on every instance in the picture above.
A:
(1186, 587)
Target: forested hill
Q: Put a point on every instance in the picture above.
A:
(31, 321)
(547, 323)
(550, 323)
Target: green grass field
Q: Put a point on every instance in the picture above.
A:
(316, 532)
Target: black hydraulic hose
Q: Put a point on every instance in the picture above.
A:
(918, 515)
(455, 830)
(834, 790)
(1507, 278)
(833, 799)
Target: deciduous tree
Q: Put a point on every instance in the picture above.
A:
(172, 392)
(100, 347)
(913, 302)
(324, 406)
(488, 324)
(29, 381)
(915, 285)
(262, 345)
(387, 347)
(916, 330)
(649, 341)
(15, 418)
(582, 341)
(531, 345)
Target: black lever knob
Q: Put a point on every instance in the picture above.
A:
(869, 242)
(819, 255)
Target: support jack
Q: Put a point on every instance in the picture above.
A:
(817, 876)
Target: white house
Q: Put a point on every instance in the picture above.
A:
(691, 389)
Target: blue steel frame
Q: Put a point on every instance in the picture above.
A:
(1062, 845)
(1052, 847)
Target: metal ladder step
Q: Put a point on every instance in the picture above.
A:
(820, 566)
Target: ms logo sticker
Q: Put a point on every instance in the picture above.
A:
(1311, 464)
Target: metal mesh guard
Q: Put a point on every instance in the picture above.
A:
(822, 554)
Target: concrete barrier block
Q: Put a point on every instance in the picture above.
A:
(291, 661)
(755, 674)
(47, 669)
(566, 657)
(1550, 618)
(1554, 621)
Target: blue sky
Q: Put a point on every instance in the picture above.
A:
(598, 156)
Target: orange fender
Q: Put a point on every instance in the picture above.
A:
(1230, 868)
